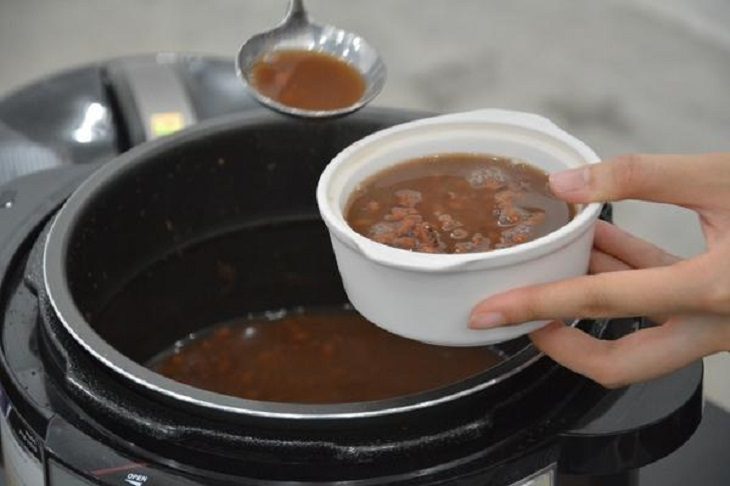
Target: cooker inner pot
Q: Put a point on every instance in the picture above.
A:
(216, 227)
(305, 354)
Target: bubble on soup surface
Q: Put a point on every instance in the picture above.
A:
(487, 177)
(408, 198)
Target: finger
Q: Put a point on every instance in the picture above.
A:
(603, 262)
(640, 356)
(626, 247)
(621, 245)
(653, 291)
(688, 180)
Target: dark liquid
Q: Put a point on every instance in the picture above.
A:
(307, 80)
(456, 203)
(317, 357)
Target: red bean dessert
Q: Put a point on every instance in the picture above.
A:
(456, 203)
(317, 357)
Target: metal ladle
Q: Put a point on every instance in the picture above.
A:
(296, 32)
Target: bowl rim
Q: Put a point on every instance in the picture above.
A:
(440, 263)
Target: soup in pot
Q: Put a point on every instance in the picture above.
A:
(316, 356)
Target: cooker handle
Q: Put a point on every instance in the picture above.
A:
(69, 364)
(151, 95)
(635, 425)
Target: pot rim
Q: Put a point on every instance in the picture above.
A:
(59, 296)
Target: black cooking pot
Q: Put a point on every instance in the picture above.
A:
(242, 189)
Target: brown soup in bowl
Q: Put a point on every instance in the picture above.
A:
(456, 203)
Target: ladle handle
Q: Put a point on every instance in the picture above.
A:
(296, 12)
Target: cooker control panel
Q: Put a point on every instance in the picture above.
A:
(75, 458)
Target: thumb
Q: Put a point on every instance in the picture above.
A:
(686, 180)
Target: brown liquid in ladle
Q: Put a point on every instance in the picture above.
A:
(307, 80)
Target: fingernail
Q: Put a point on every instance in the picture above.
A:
(569, 180)
(487, 320)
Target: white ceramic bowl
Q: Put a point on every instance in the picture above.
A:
(429, 297)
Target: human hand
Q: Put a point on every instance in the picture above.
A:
(690, 299)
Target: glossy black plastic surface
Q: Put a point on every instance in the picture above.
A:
(69, 112)
(85, 114)
(636, 425)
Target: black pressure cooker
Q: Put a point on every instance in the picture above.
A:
(78, 405)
